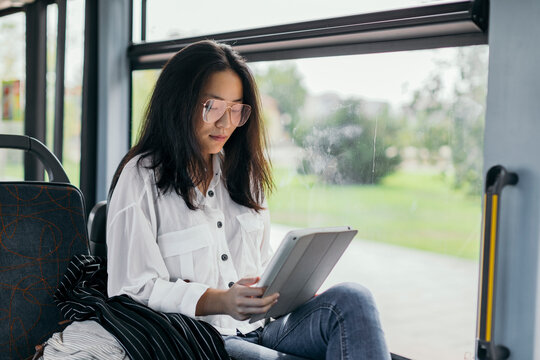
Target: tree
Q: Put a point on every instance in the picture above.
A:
(283, 82)
(468, 110)
(456, 121)
(351, 146)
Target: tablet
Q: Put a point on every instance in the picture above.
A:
(300, 265)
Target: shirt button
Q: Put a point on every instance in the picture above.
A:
(219, 224)
(231, 284)
(210, 193)
(224, 257)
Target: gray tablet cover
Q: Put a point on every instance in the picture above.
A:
(300, 265)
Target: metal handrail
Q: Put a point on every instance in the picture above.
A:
(52, 165)
(497, 177)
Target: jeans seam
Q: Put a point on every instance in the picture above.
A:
(336, 312)
(343, 331)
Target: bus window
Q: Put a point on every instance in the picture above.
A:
(12, 76)
(143, 83)
(167, 19)
(12, 82)
(71, 154)
(390, 144)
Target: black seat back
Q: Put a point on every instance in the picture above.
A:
(97, 224)
(42, 227)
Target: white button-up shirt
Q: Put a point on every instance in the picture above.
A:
(164, 255)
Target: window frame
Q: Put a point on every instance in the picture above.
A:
(461, 23)
(423, 27)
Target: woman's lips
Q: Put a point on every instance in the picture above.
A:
(219, 137)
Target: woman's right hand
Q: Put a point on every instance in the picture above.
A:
(242, 300)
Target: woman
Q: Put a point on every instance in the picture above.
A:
(188, 228)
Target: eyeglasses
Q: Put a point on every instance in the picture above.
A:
(214, 109)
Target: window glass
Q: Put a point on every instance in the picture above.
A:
(143, 83)
(136, 23)
(390, 144)
(12, 82)
(52, 36)
(73, 78)
(12, 76)
(168, 19)
(73, 71)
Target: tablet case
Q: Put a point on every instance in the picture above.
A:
(300, 265)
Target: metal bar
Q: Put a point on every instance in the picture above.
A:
(370, 48)
(89, 119)
(11, 10)
(396, 19)
(157, 61)
(130, 6)
(38, 150)
(36, 70)
(130, 80)
(143, 20)
(59, 84)
(20, 8)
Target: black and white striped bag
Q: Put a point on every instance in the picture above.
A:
(142, 332)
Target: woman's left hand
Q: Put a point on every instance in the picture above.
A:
(241, 301)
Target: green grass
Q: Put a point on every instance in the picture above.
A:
(413, 209)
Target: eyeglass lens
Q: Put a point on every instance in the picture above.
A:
(214, 109)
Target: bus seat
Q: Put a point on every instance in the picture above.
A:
(97, 226)
(43, 226)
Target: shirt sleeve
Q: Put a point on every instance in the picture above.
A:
(135, 265)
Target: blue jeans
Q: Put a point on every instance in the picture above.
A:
(341, 323)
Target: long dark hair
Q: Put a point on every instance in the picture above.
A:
(168, 139)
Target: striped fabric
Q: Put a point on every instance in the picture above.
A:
(83, 340)
(143, 332)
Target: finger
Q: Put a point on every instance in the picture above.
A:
(248, 281)
(273, 297)
(249, 291)
(250, 310)
(267, 307)
(257, 302)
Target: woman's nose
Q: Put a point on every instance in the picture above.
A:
(225, 121)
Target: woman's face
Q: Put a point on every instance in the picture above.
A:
(223, 85)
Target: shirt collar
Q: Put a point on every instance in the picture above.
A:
(216, 178)
(216, 167)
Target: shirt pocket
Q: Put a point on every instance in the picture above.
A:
(187, 253)
(252, 230)
(252, 227)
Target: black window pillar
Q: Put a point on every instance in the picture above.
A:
(36, 70)
(106, 95)
(90, 106)
(59, 86)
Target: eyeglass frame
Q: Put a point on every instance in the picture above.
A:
(227, 109)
